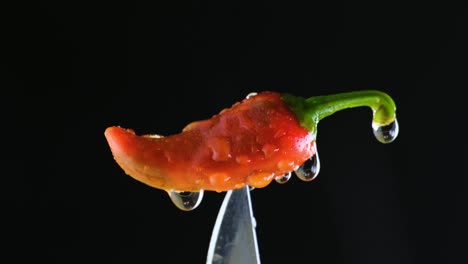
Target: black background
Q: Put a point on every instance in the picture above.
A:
(69, 70)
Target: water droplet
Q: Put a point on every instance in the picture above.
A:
(219, 180)
(279, 133)
(239, 185)
(251, 95)
(186, 201)
(260, 179)
(153, 136)
(283, 179)
(310, 169)
(285, 165)
(243, 160)
(269, 150)
(221, 148)
(386, 133)
(154, 180)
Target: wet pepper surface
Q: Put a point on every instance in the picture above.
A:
(251, 143)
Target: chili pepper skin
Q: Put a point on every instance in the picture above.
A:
(255, 141)
(250, 143)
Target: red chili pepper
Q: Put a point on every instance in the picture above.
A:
(261, 138)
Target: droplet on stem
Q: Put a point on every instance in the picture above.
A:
(283, 179)
(386, 133)
(310, 169)
(186, 201)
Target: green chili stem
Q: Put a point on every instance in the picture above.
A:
(311, 110)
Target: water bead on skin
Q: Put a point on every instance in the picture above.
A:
(266, 136)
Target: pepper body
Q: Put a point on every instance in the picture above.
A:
(251, 143)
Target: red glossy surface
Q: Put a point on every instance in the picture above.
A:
(251, 143)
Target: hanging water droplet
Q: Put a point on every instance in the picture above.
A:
(310, 169)
(386, 133)
(251, 95)
(186, 201)
(284, 179)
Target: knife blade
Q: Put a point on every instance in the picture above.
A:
(234, 240)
